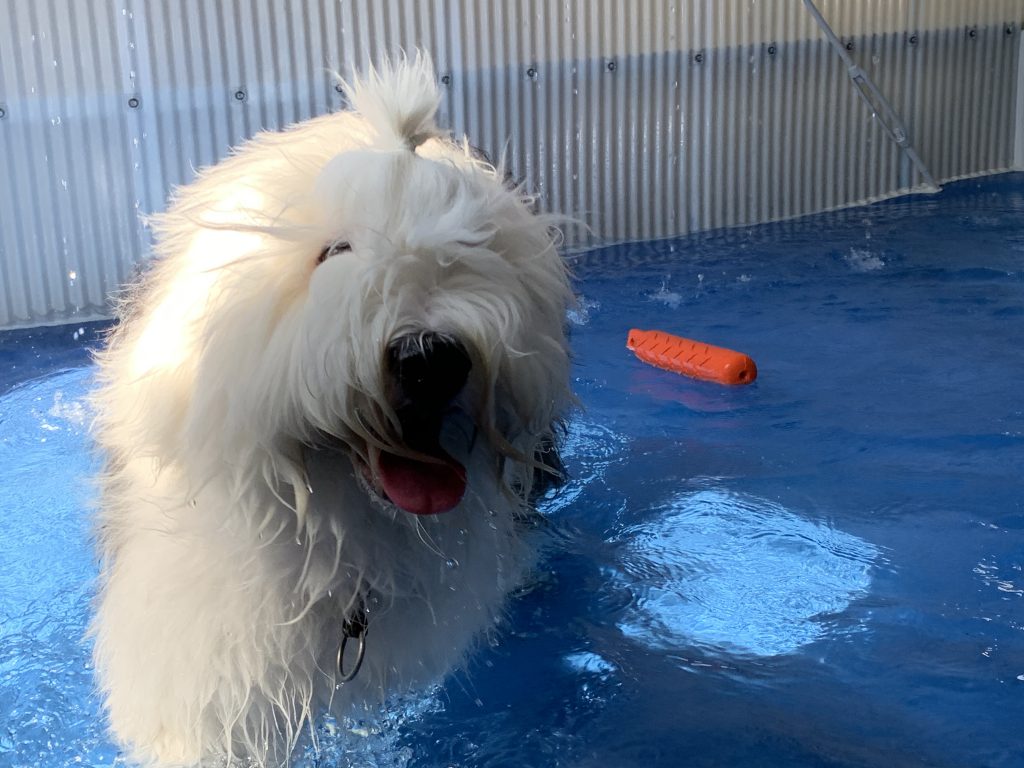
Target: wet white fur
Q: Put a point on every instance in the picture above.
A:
(224, 581)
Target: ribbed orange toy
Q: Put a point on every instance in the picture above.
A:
(691, 358)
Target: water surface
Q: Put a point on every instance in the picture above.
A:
(821, 569)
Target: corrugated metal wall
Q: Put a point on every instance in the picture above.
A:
(644, 118)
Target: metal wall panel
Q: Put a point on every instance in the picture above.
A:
(1018, 129)
(643, 118)
(67, 230)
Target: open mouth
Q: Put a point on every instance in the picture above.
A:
(427, 371)
(426, 486)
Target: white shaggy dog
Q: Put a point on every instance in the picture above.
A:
(321, 416)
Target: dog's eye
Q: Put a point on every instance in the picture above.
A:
(333, 250)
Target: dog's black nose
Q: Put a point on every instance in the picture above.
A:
(430, 369)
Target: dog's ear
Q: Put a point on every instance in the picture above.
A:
(550, 472)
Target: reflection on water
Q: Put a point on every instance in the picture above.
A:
(738, 575)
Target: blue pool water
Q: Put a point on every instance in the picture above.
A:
(825, 568)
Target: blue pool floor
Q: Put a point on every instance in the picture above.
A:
(825, 568)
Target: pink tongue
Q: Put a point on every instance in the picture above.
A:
(420, 487)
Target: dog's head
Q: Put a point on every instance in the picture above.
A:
(361, 283)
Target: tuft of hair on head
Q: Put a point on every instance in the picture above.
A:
(399, 99)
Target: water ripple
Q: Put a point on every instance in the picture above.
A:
(588, 450)
(48, 710)
(738, 575)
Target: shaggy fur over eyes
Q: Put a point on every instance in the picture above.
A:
(270, 469)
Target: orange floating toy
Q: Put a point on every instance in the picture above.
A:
(692, 358)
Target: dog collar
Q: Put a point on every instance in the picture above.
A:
(353, 628)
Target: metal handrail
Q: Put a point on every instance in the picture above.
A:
(875, 100)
